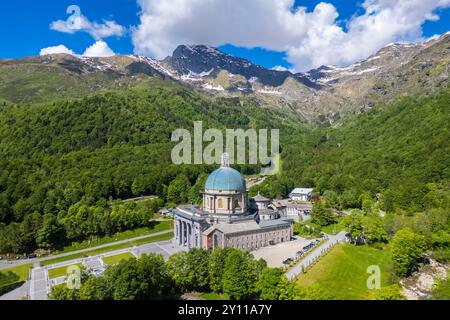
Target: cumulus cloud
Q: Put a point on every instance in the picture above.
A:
(98, 49)
(97, 30)
(56, 49)
(309, 38)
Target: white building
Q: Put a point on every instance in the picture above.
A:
(301, 194)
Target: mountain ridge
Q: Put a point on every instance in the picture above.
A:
(320, 95)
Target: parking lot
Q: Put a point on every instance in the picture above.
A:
(275, 255)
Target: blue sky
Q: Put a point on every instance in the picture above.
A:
(25, 27)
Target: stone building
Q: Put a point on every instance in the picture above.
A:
(227, 217)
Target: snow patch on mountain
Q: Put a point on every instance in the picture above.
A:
(155, 64)
(208, 86)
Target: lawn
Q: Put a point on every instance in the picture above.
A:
(343, 271)
(21, 271)
(111, 260)
(13, 277)
(158, 227)
(161, 237)
(331, 229)
(61, 271)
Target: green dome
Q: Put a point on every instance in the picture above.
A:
(225, 179)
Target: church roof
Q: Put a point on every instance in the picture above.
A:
(252, 226)
(225, 179)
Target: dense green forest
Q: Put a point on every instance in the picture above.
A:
(398, 154)
(62, 162)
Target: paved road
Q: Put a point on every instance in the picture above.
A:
(292, 273)
(38, 284)
(191, 297)
(10, 264)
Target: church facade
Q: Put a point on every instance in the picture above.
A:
(228, 218)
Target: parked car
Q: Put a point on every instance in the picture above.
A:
(287, 261)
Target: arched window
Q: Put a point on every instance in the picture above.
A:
(220, 203)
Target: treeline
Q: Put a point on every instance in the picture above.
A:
(81, 221)
(224, 271)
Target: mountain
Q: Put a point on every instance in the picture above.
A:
(77, 131)
(200, 61)
(321, 95)
(61, 76)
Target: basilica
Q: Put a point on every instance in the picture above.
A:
(228, 218)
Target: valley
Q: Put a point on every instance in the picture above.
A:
(77, 134)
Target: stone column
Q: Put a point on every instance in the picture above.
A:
(179, 232)
(184, 233)
(189, 235)
(175, 231)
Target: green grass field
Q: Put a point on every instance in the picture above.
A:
(21, 271)
(61, 271)
(162, 237)
(159, 226)
(343, 271)
(111, 260)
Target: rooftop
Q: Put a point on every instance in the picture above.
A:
(302, 191)
(232, 228)
(260, 198)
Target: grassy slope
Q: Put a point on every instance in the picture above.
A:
(61, 271)
(161, 226)
(111, 260)
(21, 271)
(342, 272)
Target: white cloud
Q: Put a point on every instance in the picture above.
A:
(97, 30)
(56, 49)
(98, 49)
(281, 68)
(310, 38)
